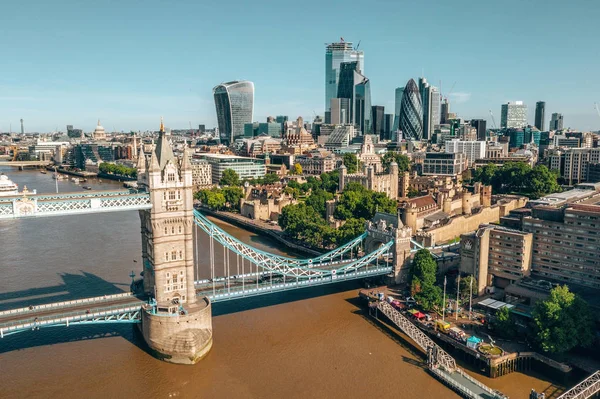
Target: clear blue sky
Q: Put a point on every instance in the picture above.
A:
(129, 62)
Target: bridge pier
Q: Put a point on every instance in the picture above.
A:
(180, 338)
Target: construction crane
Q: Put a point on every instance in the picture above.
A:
(357, 46)
(493, 120)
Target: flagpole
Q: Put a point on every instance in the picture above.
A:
(470, 296)
(444, 302)
(457, 291)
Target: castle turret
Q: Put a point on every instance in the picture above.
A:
(342, 177)
(466, 203)
(486, 196)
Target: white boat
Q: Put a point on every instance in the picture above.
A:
(9, 188)
(59, 177)
(75, 180)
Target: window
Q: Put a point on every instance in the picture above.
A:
(180, 254)
(171, 177)
(178, 194)
(166, 230)
(179, 229)
(174, 278)
(166, 256)
(173, 255)
(164, 196)
(173, 230)
(171, 195)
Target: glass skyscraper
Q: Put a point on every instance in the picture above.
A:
(354, 86)
(234, 102)
(398, 96)
(411, 112)
(540, 110)
(430, 100)
(513, 115)
(335, 54)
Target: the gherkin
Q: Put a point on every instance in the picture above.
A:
(411, 112)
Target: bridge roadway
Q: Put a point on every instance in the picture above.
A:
(22, 164)
(115, 308)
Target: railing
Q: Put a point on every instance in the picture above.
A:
(454, 384)
(105, 298)
(495, 394)
(416, 334)
(584, 389)
(72, 317)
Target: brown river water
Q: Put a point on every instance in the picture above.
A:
(314, 343)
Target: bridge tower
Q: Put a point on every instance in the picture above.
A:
(178, 325)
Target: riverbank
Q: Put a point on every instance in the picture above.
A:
(257, 226)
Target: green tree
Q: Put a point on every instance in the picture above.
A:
(350, 230)
(504, 323)
(270, 178)
(233, 195)
(212, 198)
(358, 202)
(296, 169)
(485, 174)
(330, 181)
(351, 162)
(402, 160)
(413, 192)
(229, 178)
(562, 322)
(518, 178)
(423, 276)
(465, 286)
(317, 200)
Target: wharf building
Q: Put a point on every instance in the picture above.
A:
(234, 102)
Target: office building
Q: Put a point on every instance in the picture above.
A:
(411, 112)
(424, 92)
(354, 86)
(473, 150)
(201, 129)
(434, 108)
(74, 133)
(540, 111)
(340, 111)
(388, 124)
(572, 164)
(430, 99)
(398, 98)
(335, 55)
(201, 174)
(340, 137)
(246, 168)
(234, 102)
(480, 125)
(513, 115)
(516, 137)
(378, 114)
(565, 243)
(445, 112)
(317, 162)
(556, 122)
(496, 256)
(446, 164)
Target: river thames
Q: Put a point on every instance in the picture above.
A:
(306, 344)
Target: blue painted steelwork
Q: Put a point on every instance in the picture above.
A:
(128, 313)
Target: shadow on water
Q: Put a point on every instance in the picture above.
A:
(75, 286)
(243, 304)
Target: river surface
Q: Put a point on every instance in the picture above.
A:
(306, 344)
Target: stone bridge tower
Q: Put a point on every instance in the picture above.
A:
(383, 228)
(178, 325)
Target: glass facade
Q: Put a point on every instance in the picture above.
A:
(540, 110)
(556, 123)
(246, 168)
(378, 114)
(234, 102)
(399, 93)
(434, 113)
(335, 55)
(513, 115)
(356, 87)
(411, 112)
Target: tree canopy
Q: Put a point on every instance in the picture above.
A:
(518, 178)
(221, 198)
(402, 160)
(423, 276)
(351, 162)
(296, 169)
(116, 169)
(562, 322)
(229, 178)
(358, 202)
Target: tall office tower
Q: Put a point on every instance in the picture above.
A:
(434, 108)
(335, 55)
(445, 112)
(480, 125)
(540, 110)
(556, 122)
(513, 115)
(424, 91)
(22, 128)
(411, 112)
(354, 86)
(378, 114)
(398, 96)
(234, 102)
(388, 123)
(201, 129)
(340, 111)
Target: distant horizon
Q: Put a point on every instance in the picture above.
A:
(70, 65)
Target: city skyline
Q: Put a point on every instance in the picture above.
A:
(64, 70)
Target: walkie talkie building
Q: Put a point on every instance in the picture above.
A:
(234, 102)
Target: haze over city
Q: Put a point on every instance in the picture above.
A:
(128, 63)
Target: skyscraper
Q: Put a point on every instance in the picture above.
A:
(234, 102)
(556, 122)
(480, 125)
(378, 114)
(513, 115)
(425, 103)
(434, 108)
(399, 93)
(335, 54)
(354, 86)
(540, 110)
(411, 112)
(340, 111)
(388, 123)
(445, 111)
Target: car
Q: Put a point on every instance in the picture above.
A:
(410, 299)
